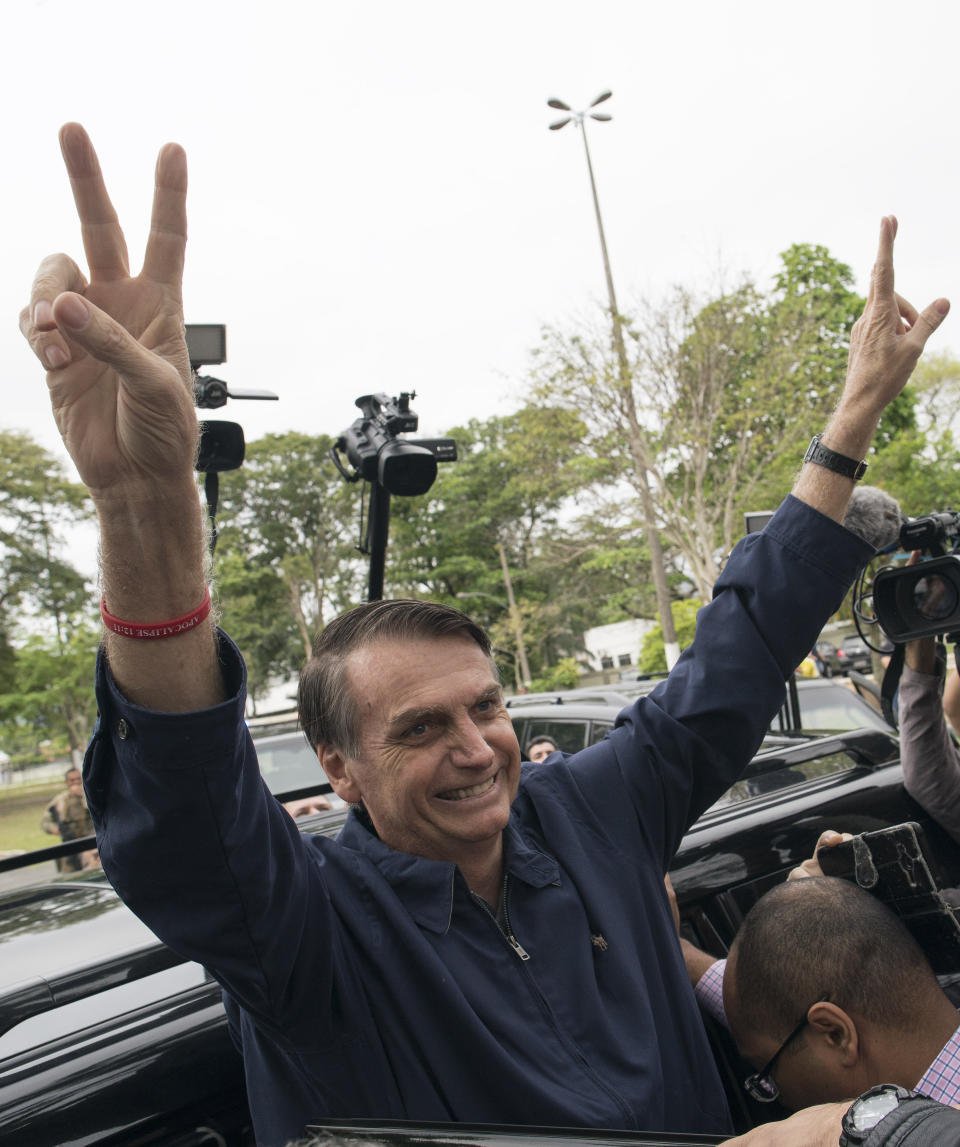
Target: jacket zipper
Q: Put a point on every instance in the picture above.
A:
(505, 930)
(572, 1049)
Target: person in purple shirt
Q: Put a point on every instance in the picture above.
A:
(481, 942)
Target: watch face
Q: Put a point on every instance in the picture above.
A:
(866, 1113)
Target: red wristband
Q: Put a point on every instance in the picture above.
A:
(146, 632)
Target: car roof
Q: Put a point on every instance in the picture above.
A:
(49, 930)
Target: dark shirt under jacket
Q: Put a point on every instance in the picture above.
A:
(368, 982)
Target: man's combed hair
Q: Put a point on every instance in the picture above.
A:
(819, 936)
(327, 710)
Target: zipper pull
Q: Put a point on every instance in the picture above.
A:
(516, 946)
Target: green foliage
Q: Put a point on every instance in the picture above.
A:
(564, 675)
(252, 610)
(286, 560)
(47, 639)
(653, 657)
(519, 483)
(920, 471)
(37, 503)
(51, 697)
(722, 395)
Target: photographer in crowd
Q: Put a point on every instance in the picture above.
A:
(828, 995)
(481, 943)
(928, 752)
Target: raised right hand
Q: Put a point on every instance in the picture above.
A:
(114, 347)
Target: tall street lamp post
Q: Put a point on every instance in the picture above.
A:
(639, 443)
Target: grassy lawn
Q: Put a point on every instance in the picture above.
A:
(21, 808)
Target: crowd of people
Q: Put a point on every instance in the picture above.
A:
(482, 942)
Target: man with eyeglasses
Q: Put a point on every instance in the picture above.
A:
(828, 995)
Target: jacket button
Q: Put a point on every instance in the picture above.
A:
(123, 729)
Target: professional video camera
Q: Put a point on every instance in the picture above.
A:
(922, 600)
(401, 466)
(391, 465)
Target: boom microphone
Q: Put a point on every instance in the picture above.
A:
(875, 516)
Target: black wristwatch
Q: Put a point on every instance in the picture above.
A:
(839, 463)
(867, 1110)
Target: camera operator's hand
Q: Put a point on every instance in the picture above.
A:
(920, 655)
(885, 345)
(830, 838)
(114, 347)
(119, 380)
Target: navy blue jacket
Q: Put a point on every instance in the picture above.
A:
(368, 982)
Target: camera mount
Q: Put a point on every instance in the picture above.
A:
(222, 446)
(390, 465)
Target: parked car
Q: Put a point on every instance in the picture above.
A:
(837, 660)
(109, 1038)
(854, 654)
(576, 718)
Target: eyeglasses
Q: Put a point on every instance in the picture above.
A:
(761, 1086)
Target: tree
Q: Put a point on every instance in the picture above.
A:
(722, 395)
(936, 386)
(37, 503)
(251, 599)
(652, 656)
(46, 605)
(287, 548)
(519, 480)
(52, 697)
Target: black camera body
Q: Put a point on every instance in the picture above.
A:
(400, 466)
(922, 600)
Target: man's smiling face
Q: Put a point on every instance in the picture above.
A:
(439, 762)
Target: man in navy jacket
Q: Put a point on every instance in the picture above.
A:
(478, 944)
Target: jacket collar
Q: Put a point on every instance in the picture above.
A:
(427, 887)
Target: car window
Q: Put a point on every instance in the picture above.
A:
(598, 730)
(763, 783)
(569, 735)
(836, 708)
(288, 763)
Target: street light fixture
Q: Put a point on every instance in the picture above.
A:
(578, 118)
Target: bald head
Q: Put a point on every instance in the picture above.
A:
(823, 936)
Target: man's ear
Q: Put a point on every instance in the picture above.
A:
(334, 764)
(837, 1032)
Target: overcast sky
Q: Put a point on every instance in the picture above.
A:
(376, 202)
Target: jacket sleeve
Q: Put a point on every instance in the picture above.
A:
(681, 747)
(197, 846)
(931, 761)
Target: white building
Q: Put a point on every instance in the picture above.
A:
(616, 646)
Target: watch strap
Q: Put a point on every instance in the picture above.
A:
(822, 455)
(871, 1108)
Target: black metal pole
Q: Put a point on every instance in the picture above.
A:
(378, 527)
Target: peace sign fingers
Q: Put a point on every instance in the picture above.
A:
(166, 246)
(103, 241)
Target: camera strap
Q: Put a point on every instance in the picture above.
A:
(891, 682)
